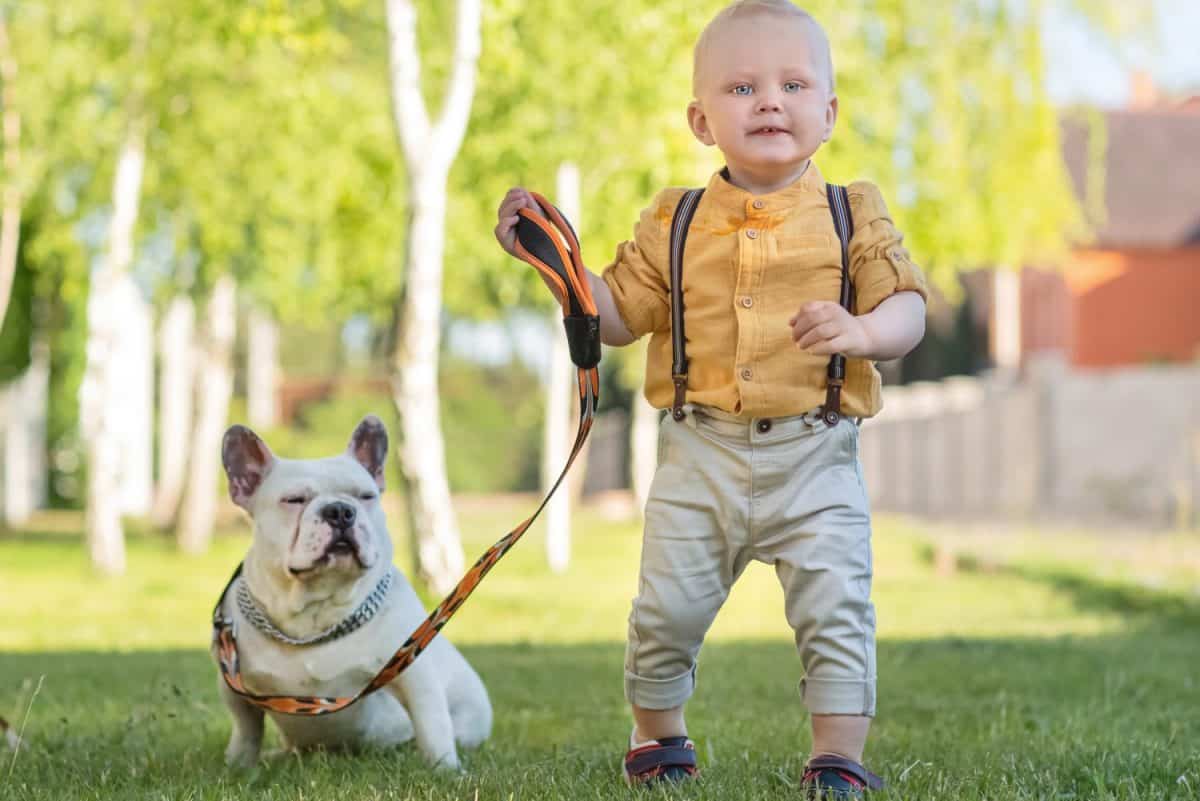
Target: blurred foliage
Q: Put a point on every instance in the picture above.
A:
(270, 148)
(491, 421)
(16, 333)
(271, 151)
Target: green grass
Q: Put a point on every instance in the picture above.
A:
(1036, 670)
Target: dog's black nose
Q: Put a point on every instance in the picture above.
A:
(338, 514)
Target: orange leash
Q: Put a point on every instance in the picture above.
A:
(549, 244)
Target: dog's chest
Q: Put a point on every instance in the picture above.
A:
(320, 672)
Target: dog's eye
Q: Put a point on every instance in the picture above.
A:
(367, 496)
(297, 499)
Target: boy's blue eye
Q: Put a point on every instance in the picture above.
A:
(791, 86)
(742, 89)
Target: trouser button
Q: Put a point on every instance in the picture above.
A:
(763, 426)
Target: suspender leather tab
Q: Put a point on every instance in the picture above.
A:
(680, 382)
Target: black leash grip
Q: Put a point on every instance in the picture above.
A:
(583, 339)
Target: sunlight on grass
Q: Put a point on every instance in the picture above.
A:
(56, 601)
(1024, 670)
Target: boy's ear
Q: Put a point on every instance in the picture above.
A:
(831, 111)
(699, 123)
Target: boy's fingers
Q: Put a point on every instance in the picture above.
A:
(820, 333)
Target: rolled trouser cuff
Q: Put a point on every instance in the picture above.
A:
(660, 693)
(839, 696)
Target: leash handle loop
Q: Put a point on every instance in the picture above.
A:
(548, 243)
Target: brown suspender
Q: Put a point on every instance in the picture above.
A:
(679, 228)
(839, 207)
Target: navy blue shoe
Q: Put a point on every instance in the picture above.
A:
(827, 776)
(670, 760)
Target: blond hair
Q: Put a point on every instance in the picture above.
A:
(741, 9)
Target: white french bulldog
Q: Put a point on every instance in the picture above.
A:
(321, 553)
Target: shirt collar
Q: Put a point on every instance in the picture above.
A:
(735, 199)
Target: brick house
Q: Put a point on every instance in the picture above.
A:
(1132, 295)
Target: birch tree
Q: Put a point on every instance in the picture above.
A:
(111, 292)
(214, 388)
(176, 385)
(262, 369)
(429, 148)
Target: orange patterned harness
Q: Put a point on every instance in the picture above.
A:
(547, 242)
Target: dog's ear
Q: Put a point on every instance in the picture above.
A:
(247, 459)
(369, 445)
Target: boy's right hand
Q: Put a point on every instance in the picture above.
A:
(506, 225)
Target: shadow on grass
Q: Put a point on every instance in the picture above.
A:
(1088, 593)
(958, 718)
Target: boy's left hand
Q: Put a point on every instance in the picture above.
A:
(823, 328)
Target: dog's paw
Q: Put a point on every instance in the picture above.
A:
(241, 755)
(447, 763)
(277, 754)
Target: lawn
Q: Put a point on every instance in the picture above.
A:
(1013, 665)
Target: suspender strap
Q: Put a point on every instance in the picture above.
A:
(548, 244)
(839, 207)
(679, 230)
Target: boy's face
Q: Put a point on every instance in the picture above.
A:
(764, 95)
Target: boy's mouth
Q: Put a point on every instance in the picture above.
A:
(768, 130)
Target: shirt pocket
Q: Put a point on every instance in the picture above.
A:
(806, 266)
(805, 250)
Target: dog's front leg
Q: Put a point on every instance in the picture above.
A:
(246, 739)
(422, 693)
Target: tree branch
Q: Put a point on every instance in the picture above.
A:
(452, 125)
(408, 107)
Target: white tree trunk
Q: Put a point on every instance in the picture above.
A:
(429, 151)
(215, 388)
(414, 384)
(562, 398)
(1006, 319)
(23, 405)
(10, 130)
(262, 370)
(132, 370)
(176, 390)
(99, 394)
(643, 448)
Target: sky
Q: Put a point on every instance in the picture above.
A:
(1082, 69)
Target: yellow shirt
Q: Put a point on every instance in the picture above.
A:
(751, 262)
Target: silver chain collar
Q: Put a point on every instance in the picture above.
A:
(366, 610)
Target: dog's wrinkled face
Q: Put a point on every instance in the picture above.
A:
(315, 518)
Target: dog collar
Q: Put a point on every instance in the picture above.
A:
(249, 607)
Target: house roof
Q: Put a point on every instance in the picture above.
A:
(1152, 180)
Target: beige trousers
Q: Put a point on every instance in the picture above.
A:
(786, 491)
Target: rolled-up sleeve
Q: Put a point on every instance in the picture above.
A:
(638, 276)
(880, 265)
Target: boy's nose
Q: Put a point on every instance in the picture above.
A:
(768, 102)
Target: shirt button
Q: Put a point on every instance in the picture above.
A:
(747, 302)
(747, 374)
(758, 204)
(751, 233)
(763, 426)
